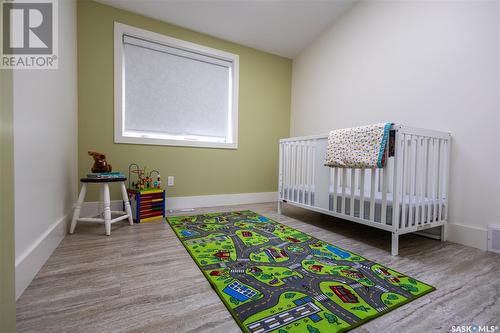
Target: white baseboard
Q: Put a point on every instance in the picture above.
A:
(468, 235)
(220, 200)
(32, 259)
(199, 201)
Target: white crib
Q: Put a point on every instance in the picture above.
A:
(409, 194)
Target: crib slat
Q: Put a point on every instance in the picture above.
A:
(280, 168)
(432, 180)
(430, 167)
(414, 194)
(425, 167)
(385, 174)
(399, 150)
(344, 180)
(290, 170)
(411, 195)
(404, 181)
(372, 195)
(330, 188)
(379, 180)
(280, 171)
(335, 188)
(423, 180)
(353, 190)
(443, 193)
(390, 178)
(440, 177)
(303, 175)
(286, 163)
(362, 194)
(427, 180)
(283, 169)
(302, 172)
(409, 180)
(297, 170)
(418, 180)
(383, 217)
(294, 175)
(311, 161)
(423, 154)
(435, 184)
(309, 187)
(447, 175)
(290, 188)
(435, 180)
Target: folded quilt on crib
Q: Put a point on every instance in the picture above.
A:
(358, 147)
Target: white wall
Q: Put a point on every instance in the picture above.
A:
(45, 153)
(431, 64)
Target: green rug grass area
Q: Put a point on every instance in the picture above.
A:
(274, 278)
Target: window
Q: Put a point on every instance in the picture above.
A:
(173, 92)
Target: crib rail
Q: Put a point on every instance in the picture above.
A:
(297, 171)
(409, 194)
(422, 177)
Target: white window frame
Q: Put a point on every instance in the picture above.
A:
(119, 85)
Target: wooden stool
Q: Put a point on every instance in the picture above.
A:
(104, 204)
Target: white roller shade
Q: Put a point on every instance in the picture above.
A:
(175, 92)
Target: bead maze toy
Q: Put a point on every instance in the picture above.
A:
(146, 195)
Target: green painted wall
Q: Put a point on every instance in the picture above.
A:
(264, 112)
(7, 270)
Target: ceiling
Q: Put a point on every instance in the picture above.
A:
(282, 27)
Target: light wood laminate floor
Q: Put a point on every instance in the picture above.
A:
(141, 279)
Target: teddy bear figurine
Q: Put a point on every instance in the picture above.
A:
(100, 164)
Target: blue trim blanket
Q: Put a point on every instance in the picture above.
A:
(358, 147)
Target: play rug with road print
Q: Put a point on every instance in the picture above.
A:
(273, 278)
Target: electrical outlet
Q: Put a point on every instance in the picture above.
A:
(170, 181)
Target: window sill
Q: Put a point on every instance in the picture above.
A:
(178, 143)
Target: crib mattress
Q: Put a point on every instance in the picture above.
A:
(425, 205)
